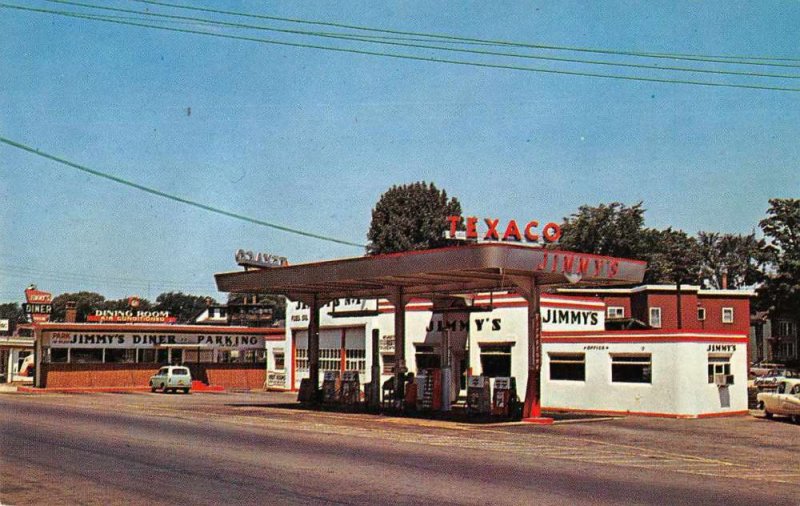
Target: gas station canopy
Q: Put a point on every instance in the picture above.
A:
(436, 274)
(433, 273)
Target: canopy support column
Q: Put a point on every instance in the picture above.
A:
(313, 343)
(399, 300)
(532, 409)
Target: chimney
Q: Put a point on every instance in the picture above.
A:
(72, 312)
(724, 279)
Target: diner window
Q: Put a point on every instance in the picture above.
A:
(388, 363)
(496, 360)
(162, 356)
(147, 355)
(121, 356)
(701, 314)
(58, 355)
(727, 315)
(279, 359)
(253, 356)
(631, 369)
(568, 366)
(615, 312)
(655, 317)
(718, 365)
(85, 356)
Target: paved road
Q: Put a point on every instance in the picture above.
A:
(208, 449)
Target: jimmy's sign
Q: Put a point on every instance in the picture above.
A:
(93, 339)
(511, 231)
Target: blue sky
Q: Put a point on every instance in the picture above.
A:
(310, 139)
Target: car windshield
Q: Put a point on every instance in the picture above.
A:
(180, 372)
(162, 372)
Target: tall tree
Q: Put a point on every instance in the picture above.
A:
(12, 312)
(182, 306)
(672, 257)
(86, 302)
(780, 292)
(613, 229)
(276, 302)
(411, 217)
(740, 258)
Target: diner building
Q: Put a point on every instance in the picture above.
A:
(71, 355)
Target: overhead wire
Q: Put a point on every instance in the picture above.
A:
(349, 37)
(119, 281)
(175, 198)
(415, 57)
(644, 54)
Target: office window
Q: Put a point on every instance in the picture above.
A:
(727, 315)
(631, 369)
(718, 365)
(427, 357)
(568, 366)
(615, 312)
(495, 360)
(655, 317)
(701, 313)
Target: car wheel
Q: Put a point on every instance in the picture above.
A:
(767, 414)
(795, 418)
(163, 389)
(152, 388)
(186, 390)
(760, 405)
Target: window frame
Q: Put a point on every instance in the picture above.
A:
(618, 312)
(727, 309)
(701, 311)
(651, 319)
(567, 358)
(645, 360)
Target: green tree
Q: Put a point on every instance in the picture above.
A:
(411, 217)
(86, 302)
(182, 306)
(12, 312)
(780, 293)
(276, 302)
(607, 229)
(618, 230)
(740, 257)
(672, 257)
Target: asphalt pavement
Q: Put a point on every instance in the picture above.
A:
(143, 448)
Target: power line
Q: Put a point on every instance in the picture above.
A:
(425, 46)
(111, 280)
(176, 198)
(674, 56)
(415, 58)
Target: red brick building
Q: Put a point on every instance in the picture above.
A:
(658, 306)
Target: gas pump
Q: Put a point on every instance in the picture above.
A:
(331, 387)
(429, 390)
(351, 388)
(504, 397)
(479, 399)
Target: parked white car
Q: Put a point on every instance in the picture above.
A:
(171, 379)
(784, 400)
